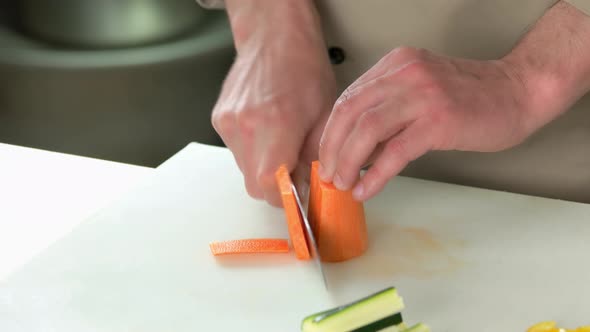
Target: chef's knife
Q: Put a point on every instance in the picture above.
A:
(311, 242)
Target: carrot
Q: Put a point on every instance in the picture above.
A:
(339, 219)
(294, 217)
(248, 246)
(313, 207)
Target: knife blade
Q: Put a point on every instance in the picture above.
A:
(312, 243)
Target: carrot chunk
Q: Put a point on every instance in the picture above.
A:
(294, 217)
(339, 221)
(249, 246)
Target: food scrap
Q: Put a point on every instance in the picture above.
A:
(249, 246)
(551, 326)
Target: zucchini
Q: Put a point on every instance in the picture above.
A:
(372, 313)
(418, 328)
(397, 328)
(380, 325)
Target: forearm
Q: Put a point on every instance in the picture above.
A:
(256, 21)
(553, 62)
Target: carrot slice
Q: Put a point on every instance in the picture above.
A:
(339, 219)
(249, 246)
(294, 218)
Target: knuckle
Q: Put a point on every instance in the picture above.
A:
(280, 113)
(369, 124)
(345, 161)
(247, 119)
(222, 121)
(398, 148)
(343, 104)
(274, 200)
(324, 148)
(253, 193)
(268, 115)
(421, 71)
(378, 172)
(263, 180)
(406, 53)
(252, 189)
(434, 90)
(348, 168)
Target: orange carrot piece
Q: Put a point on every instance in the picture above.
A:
(340, 221)
(294, 218)
(249, 246)
(314, 204)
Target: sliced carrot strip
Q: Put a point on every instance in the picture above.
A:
(339, 219)
(249, 246)
(294, 218)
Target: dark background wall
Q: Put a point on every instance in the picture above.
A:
(137, 104)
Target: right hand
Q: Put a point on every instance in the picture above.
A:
(273, 106)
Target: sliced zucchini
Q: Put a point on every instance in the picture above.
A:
(380, 325)
(418, 328)
(382, 309)
(397, 328)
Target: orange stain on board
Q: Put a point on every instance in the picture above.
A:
(396, 250)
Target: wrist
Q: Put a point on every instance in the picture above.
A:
(552, 62)
(255, 23)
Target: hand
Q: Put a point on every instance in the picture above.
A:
(413, 101)
(275, 100)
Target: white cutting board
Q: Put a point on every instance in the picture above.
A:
(464, 260)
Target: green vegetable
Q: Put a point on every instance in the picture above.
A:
(418, 328)
(375, 312)
(397, 328)
(380, 325)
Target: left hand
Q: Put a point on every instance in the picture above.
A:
(413, 101)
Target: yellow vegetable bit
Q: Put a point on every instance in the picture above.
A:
(548, 326)
(551, 326)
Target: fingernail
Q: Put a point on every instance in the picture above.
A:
(358, 192)
(323, 173)
(338, 183)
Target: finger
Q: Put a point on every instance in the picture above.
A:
(250, 170)
(394, 60)
(225, 124)
(248, 148)
(401, 149)
(372, 128)
(284, 149)
(376, 152)
(309, 153)
(342, 120)
(311, 146)
(366, 92)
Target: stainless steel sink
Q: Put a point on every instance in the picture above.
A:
(135, 105)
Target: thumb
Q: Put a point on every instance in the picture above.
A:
(309, 153)
(311, 147)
